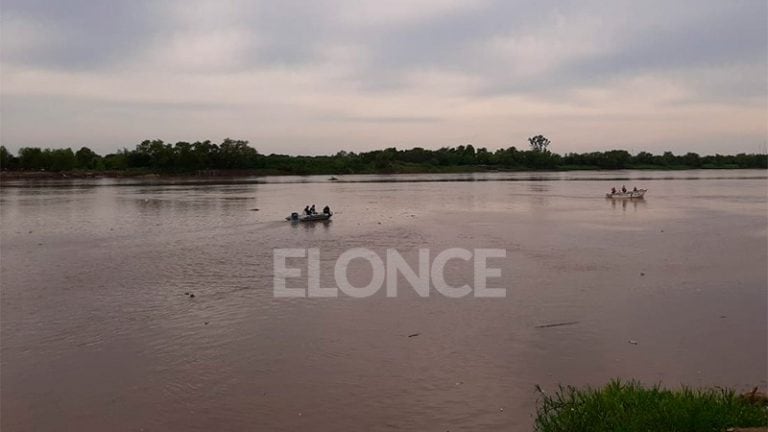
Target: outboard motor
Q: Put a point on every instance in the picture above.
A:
(294, 216)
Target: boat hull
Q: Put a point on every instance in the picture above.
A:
(314, 218)
(639, 194)
(310, 218)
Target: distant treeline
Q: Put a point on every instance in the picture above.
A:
(199, 157)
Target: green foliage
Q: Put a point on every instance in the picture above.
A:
(87, 159)
(7, 160)
(33, 158)
(631, 407)
(205, 156)
(61, 159)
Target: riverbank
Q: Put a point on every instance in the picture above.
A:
(406, 169)
(632, 407)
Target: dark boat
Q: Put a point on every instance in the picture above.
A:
(295, 217)
(633, 194)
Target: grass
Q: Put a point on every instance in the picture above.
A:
(631, 407)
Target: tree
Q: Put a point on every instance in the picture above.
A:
(692, 160)
(60, 159)
(668, 158)
(157, 156)
(236, 154)
(482, 156)
(644, 158)
(539, 143)
(7, 160)
(117, 161)
(86, 158)
(31, 158)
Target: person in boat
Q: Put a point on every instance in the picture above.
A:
(613, 190)
(326, 210)
(312, 210)
(307, 211)
(635, 189)
(623, 189)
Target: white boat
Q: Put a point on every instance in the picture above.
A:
(295, 217)
(633, 194)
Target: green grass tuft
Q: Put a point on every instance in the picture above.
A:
(632, 407)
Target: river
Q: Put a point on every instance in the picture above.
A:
(99, 332)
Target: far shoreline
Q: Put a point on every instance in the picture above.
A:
(234, 173)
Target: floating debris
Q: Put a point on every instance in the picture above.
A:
(560, 324)
(632, 341)
(191, 296)
(413, 335)
(254, 209)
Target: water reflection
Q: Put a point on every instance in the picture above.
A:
(539, 187)
(310, 226)
(634, 204)
(614, 176)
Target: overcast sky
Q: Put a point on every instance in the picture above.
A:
(316, 77)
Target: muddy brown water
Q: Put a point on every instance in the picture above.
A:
(98, 334)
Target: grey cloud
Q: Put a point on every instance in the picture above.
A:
(726, 34)
(447, 42)
(732, 34)
(666, 35)
(95, 34)
(293, 31)
(696, 42)
(82, 34)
